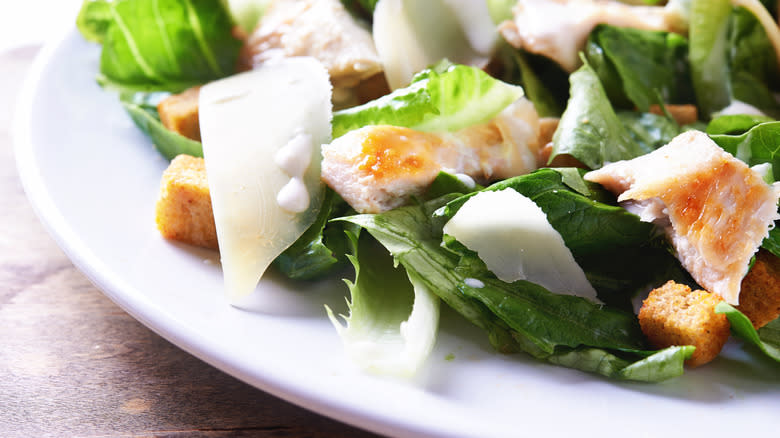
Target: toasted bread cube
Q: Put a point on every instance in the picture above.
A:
(682, 114)
(179, 113)
(674, 315)
(184, 206)
(759, 298)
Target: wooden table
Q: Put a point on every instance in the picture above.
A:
(72, 363)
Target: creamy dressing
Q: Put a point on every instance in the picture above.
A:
(294, 159)
(474, 282)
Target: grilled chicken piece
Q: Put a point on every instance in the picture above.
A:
(558, 29)
(715, 210)
(322, 29)
(378, 168)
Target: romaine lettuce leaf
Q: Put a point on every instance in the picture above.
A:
(160, 44)
(772, 242)
(413, 237)
(758, 145)
(589, 129)
(736, 124)
(549, 321)
(94, 20)
(142, 108)
(642, 66)
(767, 338)
(708, 45)
(393, 318)
(731, 58)
(613, 246)
(321, 249)
(444, 98)
(753, 63)
(651, 131)
(661, 365)
(547, 102)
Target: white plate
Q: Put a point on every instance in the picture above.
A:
(93, 179)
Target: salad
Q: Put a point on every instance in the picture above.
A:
(537, 166)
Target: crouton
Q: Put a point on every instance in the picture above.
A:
(682, 114)
(184, 206)
(674, 315)
(179, 113)
(547, 128)
(759, 298)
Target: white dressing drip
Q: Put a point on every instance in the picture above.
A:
(294, 159)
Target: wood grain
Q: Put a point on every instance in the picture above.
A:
(74, 364)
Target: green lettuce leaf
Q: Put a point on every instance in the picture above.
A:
(520, 316)
(446, 183)
(731, 58)
(322, 248)
(662, 365)
(736, 124)
(160, 44)
(772, 242)
(414, 241)
(531, 69)
(363, 9)
(708, 44)
(500, 10)
(753, 63)
(94, 19)
(393, 318)
(444, 98)
(756, 146)
(767, 338)
(640, 66)
(650, 131)
(142, 108)
(549, 321)
(613, 246)
(589, 129)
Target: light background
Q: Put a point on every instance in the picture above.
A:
(32, 22)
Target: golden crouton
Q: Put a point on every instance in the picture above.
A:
(547, 128)
(682, 114)
(674, 315)
(184, 206)
(759, 297)
(179, 113)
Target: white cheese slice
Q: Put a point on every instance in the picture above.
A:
(407, 42)
(512, 235)
(245, 121)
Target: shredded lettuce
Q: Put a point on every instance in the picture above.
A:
(443, 98)
(393, 317)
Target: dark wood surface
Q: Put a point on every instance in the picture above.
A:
(72, 363)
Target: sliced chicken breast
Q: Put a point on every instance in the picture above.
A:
(322, 29)
(378, 168)
(558, 29)
(715, 210)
